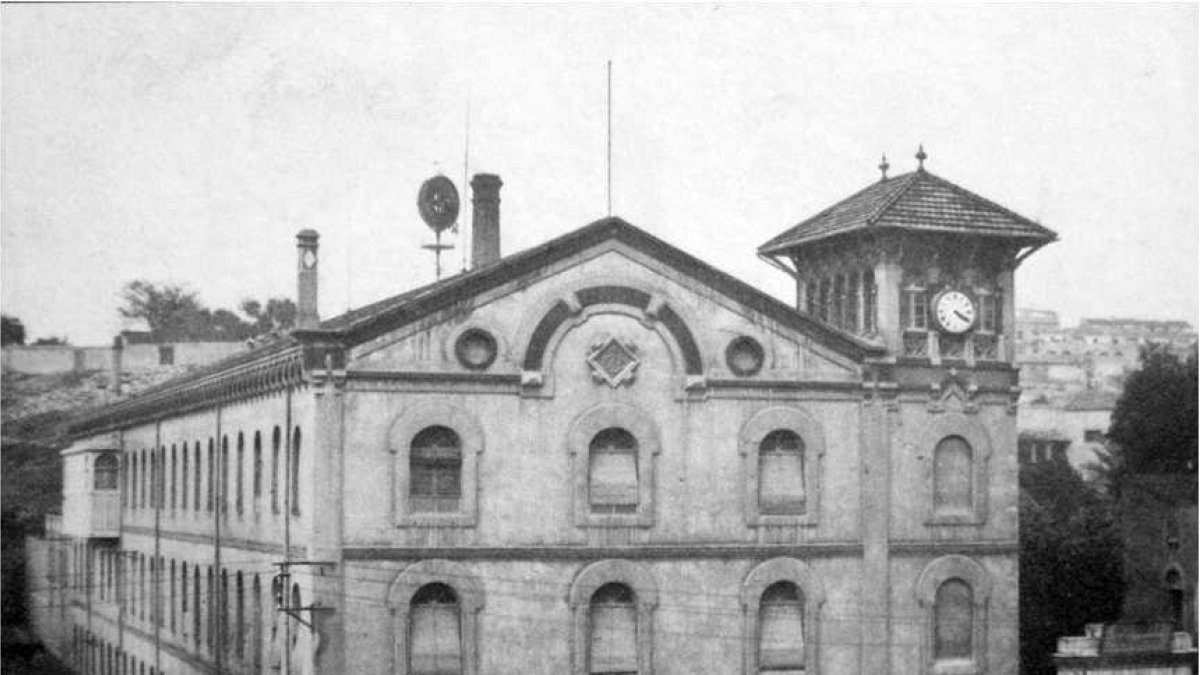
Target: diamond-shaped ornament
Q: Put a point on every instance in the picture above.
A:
(613, 362)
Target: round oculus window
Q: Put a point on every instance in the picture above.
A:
(744, 356)
(476, 349)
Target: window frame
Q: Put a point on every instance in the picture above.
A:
(640, 579)
(936, 573)
(812, 437)
(113, 472)
(583, 429)
(973, 432)
(812, 593)
(399, 442)
(471, 601)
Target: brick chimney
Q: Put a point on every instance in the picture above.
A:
(485, 222)
(306, 279)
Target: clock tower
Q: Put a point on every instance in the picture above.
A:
(922, 270)
(915, 264)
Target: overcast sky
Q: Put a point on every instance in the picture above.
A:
(189, 143)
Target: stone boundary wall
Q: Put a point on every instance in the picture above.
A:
(43, 360)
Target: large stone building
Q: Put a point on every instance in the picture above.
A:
(599, 455)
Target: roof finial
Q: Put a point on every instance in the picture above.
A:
(921, 156)
(883, 167)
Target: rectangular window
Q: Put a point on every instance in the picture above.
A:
(823, 308)
(166, 355)
(613, 638)
(1093, 435)
(914, 308)
(810, 297)
(838, 314)
(212, 470)
(869, 296)
(988, 317)
(853, 300)
(613, 480)
(435, 639)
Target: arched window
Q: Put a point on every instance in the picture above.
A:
(256, 631)
(435, 632)
(184, 589)
(196, 480)
(147, 479)
(1175, 598)
(107, 471)
(296, 605)
(294, 479)
(224, 485)
(212, 466)
(953, 616)
(781, 473)
(171, 604)
(952, 477)
(197, 608)
(174, 476)
(225, 608)
(183, 476)
(613, 472)
(241, 462)
(612, 631)
(781, 629)
(240, 634)
(258, 467)
(435, 471)
(275, 441)
(210, 607)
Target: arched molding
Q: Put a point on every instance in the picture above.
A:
(936, 573)
(467, 587)
(812, 591)
(811, 432)
(972, 430)
(399, 439)
(637, 577)
(557, 315)
(579, 437)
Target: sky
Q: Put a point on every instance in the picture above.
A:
(188, 143)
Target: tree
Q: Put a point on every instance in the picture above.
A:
(12, 331)
(1070, 560)
(177, 315)
(172, 313)
(1155, 422)
(279, 314)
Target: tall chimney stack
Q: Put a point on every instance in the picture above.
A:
(306, 279)
(485, 222)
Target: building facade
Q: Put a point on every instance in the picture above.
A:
(599, 455)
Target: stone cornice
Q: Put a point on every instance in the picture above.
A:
(264, 375)
(568, 552)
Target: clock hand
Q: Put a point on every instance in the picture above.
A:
(961, 315)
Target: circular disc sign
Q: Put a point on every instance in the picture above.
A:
(438, 202)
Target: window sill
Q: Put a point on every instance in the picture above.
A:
(436, 520)
(955, 667)
(616, 520)
(954, 520)
(781, 519)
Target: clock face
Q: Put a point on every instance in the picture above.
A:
(954, 311)
(310, 258)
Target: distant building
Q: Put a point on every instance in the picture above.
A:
(1073, 430)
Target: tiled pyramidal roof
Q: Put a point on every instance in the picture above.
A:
(917, 201)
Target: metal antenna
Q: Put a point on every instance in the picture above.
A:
(462, 237)
(610, 137)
